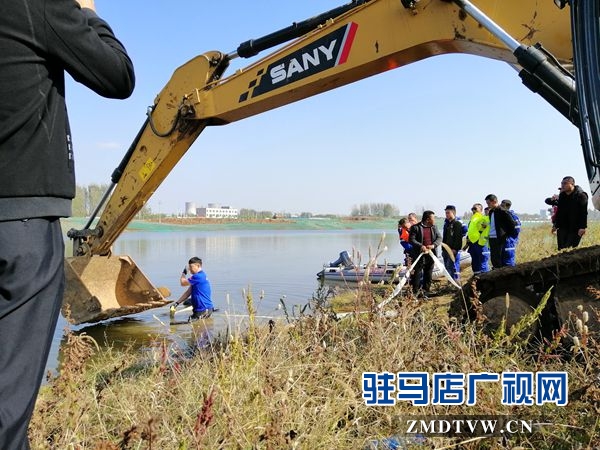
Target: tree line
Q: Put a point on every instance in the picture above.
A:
(375, 210)
(87, 198)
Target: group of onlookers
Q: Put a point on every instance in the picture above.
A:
(492, 234)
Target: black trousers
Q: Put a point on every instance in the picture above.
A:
(567, 238)
(31, 292)
(423, 270)
(496, 247)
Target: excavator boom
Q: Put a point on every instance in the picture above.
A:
(344, 45)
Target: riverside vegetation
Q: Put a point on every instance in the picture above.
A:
(297, 383)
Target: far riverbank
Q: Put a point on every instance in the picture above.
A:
(186, 223)
(314, 223)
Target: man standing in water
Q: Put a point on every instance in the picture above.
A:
(40, 41)
(199, 289)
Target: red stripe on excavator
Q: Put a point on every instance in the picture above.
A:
(348, 40)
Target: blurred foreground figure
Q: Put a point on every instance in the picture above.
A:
(39, 41)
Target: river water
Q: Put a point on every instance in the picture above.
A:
(272, 265)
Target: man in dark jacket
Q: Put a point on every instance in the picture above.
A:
(502, 225)
(452, 237)
(570, 221)
(424, 237)
(39, 41)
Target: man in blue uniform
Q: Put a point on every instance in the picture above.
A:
(509, 257)
(199, 289)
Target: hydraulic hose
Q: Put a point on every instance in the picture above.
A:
(585, 23)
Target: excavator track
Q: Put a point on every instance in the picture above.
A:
(572, 277)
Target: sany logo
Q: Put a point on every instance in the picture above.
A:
(325, 53)
(280, 72)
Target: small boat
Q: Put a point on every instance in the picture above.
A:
(344, 269)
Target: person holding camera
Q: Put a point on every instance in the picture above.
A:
(553, 201)
(570, 219)
(40, 42)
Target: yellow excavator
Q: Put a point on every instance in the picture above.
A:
(553, 45)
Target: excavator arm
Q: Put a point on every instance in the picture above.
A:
(341, 46)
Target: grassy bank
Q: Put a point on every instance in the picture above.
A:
(299, 384)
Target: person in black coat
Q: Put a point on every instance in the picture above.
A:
(40, 41)
(570, 219)
(453, 238)
(502, 225)
(424, 237)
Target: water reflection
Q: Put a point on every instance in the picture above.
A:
(132, 334)
(282, 264)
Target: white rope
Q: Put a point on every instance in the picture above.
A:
(436, 262)
(401, 283)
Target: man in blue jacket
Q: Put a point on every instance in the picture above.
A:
(509, 253)
(39, 41)
(199, 290)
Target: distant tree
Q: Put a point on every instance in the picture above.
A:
(375, 210)
(246, 213)
(364, 209)
(306, 215)
(390, 210)
(87, 198)
(78, 207)
(94, 196)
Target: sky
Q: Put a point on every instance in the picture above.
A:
(447, 130)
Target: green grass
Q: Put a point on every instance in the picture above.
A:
(297, 383)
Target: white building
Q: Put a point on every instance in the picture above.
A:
(213, 211)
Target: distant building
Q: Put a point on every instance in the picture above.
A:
(212, 211)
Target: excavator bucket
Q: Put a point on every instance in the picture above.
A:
(102, 287)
